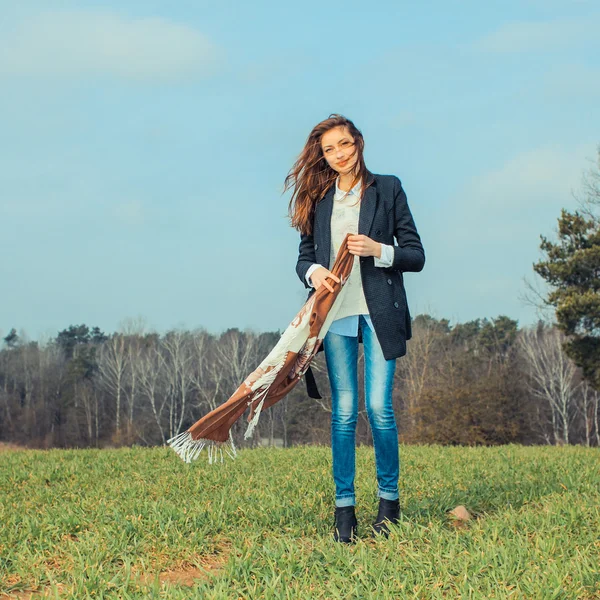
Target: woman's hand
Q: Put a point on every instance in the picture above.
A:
(319, 276)
(363, 245)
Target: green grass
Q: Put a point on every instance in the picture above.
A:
(134, 523)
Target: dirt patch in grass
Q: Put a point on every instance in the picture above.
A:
(31, 595)
(185, 573)
(189, 572)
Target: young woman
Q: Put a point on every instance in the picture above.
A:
(334, 194)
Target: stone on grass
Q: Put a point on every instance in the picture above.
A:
(460, 513)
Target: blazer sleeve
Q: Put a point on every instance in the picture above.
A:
(409, 254)
(306, 257)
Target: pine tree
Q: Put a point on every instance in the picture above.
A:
(571, 266)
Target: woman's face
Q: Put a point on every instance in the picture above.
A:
(339, 149)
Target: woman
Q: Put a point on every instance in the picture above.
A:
(335, 194)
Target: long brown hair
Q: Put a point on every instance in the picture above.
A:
(312, 176)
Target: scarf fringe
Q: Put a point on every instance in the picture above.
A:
(254, 421)
(189, 449)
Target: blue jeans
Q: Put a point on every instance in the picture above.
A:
(341, 354)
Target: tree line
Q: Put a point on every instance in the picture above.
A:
(480, 382)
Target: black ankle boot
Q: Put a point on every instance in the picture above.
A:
(389, 511)
(345, 524)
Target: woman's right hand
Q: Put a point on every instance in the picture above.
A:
(319, 277)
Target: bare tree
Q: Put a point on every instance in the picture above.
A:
(589, 410)
(178, 360)
(551, 376)
(589, 197)
(415, 370)
(208, 375)
(133, 330)
(89, 406)
(283, 413)
(237, 354)
(131, 390)
(112, 364)
(133, 326)
(151, 373)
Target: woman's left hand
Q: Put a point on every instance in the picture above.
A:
(363, 245)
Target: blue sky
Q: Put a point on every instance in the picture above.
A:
(144, 146)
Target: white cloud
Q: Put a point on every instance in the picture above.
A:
(521, 198)
(91, 43)
(531, 174)
(527, 36)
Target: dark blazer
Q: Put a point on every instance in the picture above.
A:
(384, 215)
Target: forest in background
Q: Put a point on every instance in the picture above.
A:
(481, 382)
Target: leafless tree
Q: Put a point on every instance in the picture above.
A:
(112, 364)
(236, 355)
(415, 369)
(131, 390)
(589, 196)
(589, 411)
(151, 374)
(208, 374)
(133, 330)
(89, 407)
(178, 356)
(551, 376)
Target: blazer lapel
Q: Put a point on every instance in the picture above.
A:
(365, 215)
(324, 210)
(367, 208)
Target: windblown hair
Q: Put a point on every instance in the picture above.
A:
(311, 176)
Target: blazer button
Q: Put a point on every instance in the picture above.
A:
(316, 246)
(389, 281)
(396, 304)
(378, 232)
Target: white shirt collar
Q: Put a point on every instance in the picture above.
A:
(355, 190)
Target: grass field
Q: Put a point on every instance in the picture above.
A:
(140, 523)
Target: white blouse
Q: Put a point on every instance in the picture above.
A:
(387, 250)
(344, 219)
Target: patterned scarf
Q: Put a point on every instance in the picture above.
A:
(276, 375)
